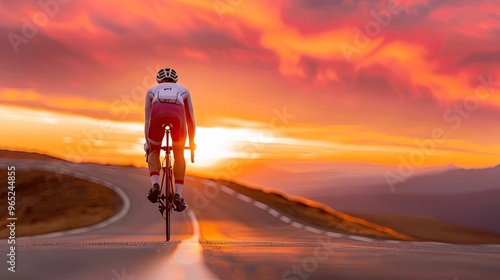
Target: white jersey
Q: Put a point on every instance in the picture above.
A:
(169, 93)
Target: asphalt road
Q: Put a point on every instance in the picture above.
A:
(226, 236)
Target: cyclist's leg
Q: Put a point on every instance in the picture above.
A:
(154, 170)
(178, 141)
(179, 172)
(179, 165)
(154, 164)
(156, 134)
(179, 135)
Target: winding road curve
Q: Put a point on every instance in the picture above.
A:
(224, 235)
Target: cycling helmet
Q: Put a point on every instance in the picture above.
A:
(166, 73)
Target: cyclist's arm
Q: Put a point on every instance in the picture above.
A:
(147, 113)
(191, 124)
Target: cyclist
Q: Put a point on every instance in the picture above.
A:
(168, 103)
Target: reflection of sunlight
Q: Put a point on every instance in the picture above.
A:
(187, 260)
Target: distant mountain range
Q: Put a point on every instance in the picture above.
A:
(453, 181)
(468, 197)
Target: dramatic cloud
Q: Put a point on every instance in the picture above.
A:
(391, 67)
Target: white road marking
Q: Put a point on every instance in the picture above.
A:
(260, 205)
(334, 234)
(360, 238)
(244, 198)
(288, 220)
(187, 260)
(227, 190)
(79, 175)
(96, 180)
(285, 219)
(273, 212)
(312, 229)
(297, 225)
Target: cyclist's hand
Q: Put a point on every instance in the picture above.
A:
(192, 146)
(146, 147)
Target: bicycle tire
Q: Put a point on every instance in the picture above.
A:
(168, 202)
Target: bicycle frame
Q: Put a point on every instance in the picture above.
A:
(167, 187)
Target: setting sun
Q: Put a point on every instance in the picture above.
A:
(217, 143)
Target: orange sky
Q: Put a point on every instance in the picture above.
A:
(347, 80)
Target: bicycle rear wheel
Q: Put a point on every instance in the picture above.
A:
(168, 202)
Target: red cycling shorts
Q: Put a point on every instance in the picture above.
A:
(163, 114)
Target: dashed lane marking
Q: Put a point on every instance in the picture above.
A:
(285, 219)
(244, 198)
(288, 220)
(360, 238)
(227, 190)
(260, 205)
(314, 230)
(297, 225)
(274, 212)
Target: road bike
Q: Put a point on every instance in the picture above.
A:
(166, 199)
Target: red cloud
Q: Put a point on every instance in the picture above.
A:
(429, 52)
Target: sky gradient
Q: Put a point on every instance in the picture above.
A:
(380, 82)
